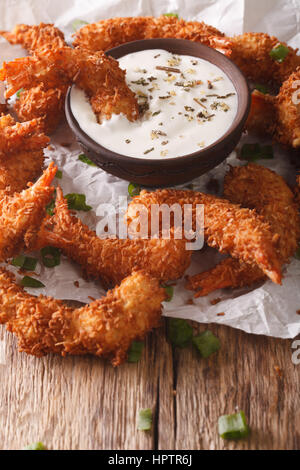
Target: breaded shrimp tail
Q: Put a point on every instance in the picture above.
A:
(251, 53)
(23, 212)
(34, 37)
(110, 260)
(262, 116)
(229, 273)
(278, 116)
(18, 137)
(22, 159)
(227, 227)
(47, 105)
(256, 187)
(106, 327)
(97, 74)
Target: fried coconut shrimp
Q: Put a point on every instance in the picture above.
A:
(256, 187)
(15, 136)
(98, 75)
(106, 34)
(228, 227)
(38, 102)
(105, 327)
(278, 116)
(22, 157)
(111, 260)
(41, 101)
(34, 38)
(251, 53)
(23, 212)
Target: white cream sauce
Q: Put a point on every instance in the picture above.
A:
(187, 107)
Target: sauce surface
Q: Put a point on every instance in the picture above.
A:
(187, 104)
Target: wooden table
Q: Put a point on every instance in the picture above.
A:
(84, 403)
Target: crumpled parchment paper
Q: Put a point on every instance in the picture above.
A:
(268, 309)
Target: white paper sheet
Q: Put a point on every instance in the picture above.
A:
(269, 309)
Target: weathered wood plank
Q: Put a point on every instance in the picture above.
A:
(83, 403)
(241, 376)
(79, 402)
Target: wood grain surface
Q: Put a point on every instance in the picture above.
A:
(84, 403)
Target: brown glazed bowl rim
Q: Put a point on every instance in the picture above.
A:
(183, 47)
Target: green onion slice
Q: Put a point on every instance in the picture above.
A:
(133, 189)
(50, 256)
(58, 174)
(253, 152)
(262, 88)
(77, 24)
(19, 93)
(297, 254)
(233, 426)
(25, 262)
(83, 158)
(145, 419)
(135, 351)
(50, 208)
(77, 202)
(279, 53)
(170, 293)
(28, 281)
(180, 332)
(171, 15)
(35, 446)
(206, 343)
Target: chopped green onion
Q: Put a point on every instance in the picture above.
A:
(31, 282)
(133, 189)
(25, 262)
(35, 446)
(51, 205)
(58, 174)
(77, 24)
(50, 208)
(262, 88)
(233, 426)
(83, 158)
(77, 202)
(170, 293)
(180, 332)
(135, 351)
(50, 256)
(206, 343)
(145, 419)
(297, 254)
(253, 152)
(279, 53)
(171, 15)
(19, 93)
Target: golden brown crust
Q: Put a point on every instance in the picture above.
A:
(227, 227)
(251, 53)
(229, 273)
(98, 75)
(288, 112)
(16, 137)
(256, 187)
(47, 105)
(23, 212)
(22, 158)
(35, 37)
(111, 260)
(106, 34)
(278, 116)
(106, 327)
